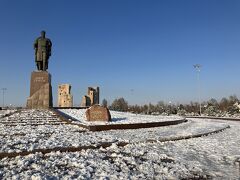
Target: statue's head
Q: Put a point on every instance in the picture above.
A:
(43, 34)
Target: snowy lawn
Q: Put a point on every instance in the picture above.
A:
(207, 157)
(118, 117)
(210, 156)
(27, 138)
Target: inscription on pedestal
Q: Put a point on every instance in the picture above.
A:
(40, 80)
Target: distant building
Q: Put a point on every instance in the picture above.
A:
(91, 98)
(65, 99)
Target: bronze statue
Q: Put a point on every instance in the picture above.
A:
(42, 46)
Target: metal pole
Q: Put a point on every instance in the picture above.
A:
(3, 91)
(197, 67)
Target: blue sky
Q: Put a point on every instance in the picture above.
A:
(141, 50)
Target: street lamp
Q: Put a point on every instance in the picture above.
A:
(170, 107)
(198, 68)
(3, 93)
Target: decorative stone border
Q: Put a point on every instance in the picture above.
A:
(9, 114)
(213, 117)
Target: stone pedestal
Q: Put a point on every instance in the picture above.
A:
(40, 90)
(98, 113)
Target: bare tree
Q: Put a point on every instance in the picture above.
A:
(104, 103)
(119, 105)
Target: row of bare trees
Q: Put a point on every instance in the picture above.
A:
(211, 107)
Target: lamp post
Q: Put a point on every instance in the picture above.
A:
(198, 68)
(3, 93)
(170, 107)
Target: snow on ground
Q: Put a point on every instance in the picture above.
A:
(118, 117)
(210, 156)
(27, 137)
(5, 112)
(206, 157)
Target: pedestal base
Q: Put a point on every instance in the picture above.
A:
(40, 91)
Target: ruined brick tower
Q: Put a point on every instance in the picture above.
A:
(92, 97)
(93, 93)
(65, 99)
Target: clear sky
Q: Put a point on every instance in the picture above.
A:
(141, 50)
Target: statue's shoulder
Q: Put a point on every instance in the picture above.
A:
(48, 40)
(37, 39)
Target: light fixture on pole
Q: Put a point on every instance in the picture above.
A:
(3, 93)
(198, 68)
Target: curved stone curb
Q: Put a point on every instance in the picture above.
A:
(189, 136)
(135, 125)
(212, 117)
(11, 113)
(66, 117)
(45, 151)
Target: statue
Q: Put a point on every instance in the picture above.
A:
(42, 46)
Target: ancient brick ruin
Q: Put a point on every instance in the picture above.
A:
(91, 98)
(65, 99)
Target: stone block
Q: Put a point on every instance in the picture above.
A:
(98, 113)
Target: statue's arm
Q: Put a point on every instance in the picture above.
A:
(35, 45)
(50, 47)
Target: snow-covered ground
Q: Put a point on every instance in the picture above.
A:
(25, 136)
(118, 117)
(5, 112)
(210, 156)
